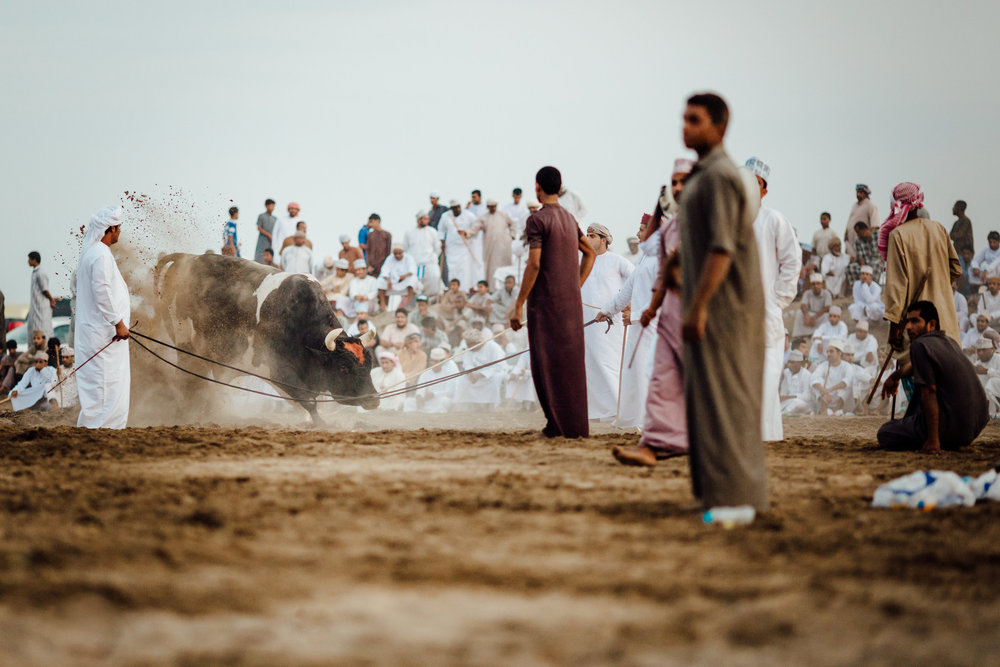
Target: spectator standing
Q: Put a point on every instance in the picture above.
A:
(42, 302)
(265, 230)
(230, 242)
(378, 244)
(863, 210)
(961, 229)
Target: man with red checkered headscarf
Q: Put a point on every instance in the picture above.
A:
(921, 263)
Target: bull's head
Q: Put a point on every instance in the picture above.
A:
(347, 365)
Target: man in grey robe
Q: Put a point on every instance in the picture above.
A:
(265, 231)
(724, 309)
(42, 302)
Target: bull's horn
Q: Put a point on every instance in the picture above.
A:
(331, 339)
(367, 336)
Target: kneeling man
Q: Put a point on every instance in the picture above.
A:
(949, 408)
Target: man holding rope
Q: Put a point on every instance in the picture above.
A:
(102, 313)
(551, 288)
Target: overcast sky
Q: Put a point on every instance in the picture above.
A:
(354, 107)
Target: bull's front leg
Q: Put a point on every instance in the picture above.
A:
(311, 408)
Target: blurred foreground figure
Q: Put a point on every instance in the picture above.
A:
(724, 310)
(551, 288)
(102, 313)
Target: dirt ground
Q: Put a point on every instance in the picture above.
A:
(272, 546)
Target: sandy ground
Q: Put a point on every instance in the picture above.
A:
(272, 546)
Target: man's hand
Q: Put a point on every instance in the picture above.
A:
(474, 377)
(891, 386)
(600, 317)
(121, 331)
(647, 317)
(515, 319)
(693, 328)
(13, 394)
(52, 302)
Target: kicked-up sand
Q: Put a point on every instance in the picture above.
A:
(260, 545)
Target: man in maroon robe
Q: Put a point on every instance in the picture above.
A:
(551, 287)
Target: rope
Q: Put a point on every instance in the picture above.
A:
(386, 394)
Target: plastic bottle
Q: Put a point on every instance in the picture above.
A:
(727, 517)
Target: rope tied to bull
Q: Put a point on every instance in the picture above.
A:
(386, 394)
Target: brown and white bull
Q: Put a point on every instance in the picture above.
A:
(257, 318)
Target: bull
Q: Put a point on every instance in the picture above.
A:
(254, 317)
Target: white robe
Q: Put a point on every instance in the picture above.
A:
(486, 389)
(283, 228)
(519, 385)
(297, 259)
(383, 381)
(868, 303)
(603, 351)
(33, 387)
(66, 394)
(459, 252)
(572, 203)
(40, 308)
(798, 385)
(424, 246)
(861, 350)
(962, 310)
(438, 398)
(828, 376)
(392, 269)
(837, 265)
(823, 334)
(780, 264)
(518, 213)
(637, 292)
(102, 300)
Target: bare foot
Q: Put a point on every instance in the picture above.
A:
(635, 456)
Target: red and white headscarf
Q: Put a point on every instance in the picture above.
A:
(906, 197)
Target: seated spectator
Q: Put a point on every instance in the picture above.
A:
(397, 277)
(361, 291)
(502, 302)
(336, 285)
(989, 300)
(348, 252)
(388, 375)
(865, 346)
(438, 398)
(972, 336)
(412, 358)
(65, 395)
(987, 363)
(432, 335)
(481, 388)
(269, 258)
(861, 380)
(962, 310)
(27, 359)
(832, 382)
(325, 269)
(964, 282)
(30, 392)
(394, 335)
(816, 303)
(479, 302)
(949, 406)
(8, 374)
(833, 329)
(363, 326)
(867, 298)
(834, 268)
(796, 389)
(449, 301)
(422, 310)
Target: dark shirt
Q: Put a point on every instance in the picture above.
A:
(961, 234)
(962, 404)
(379, 247)
(435, 215)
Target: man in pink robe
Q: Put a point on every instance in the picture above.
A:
(664, 432)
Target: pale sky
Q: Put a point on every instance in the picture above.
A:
(354, 107)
